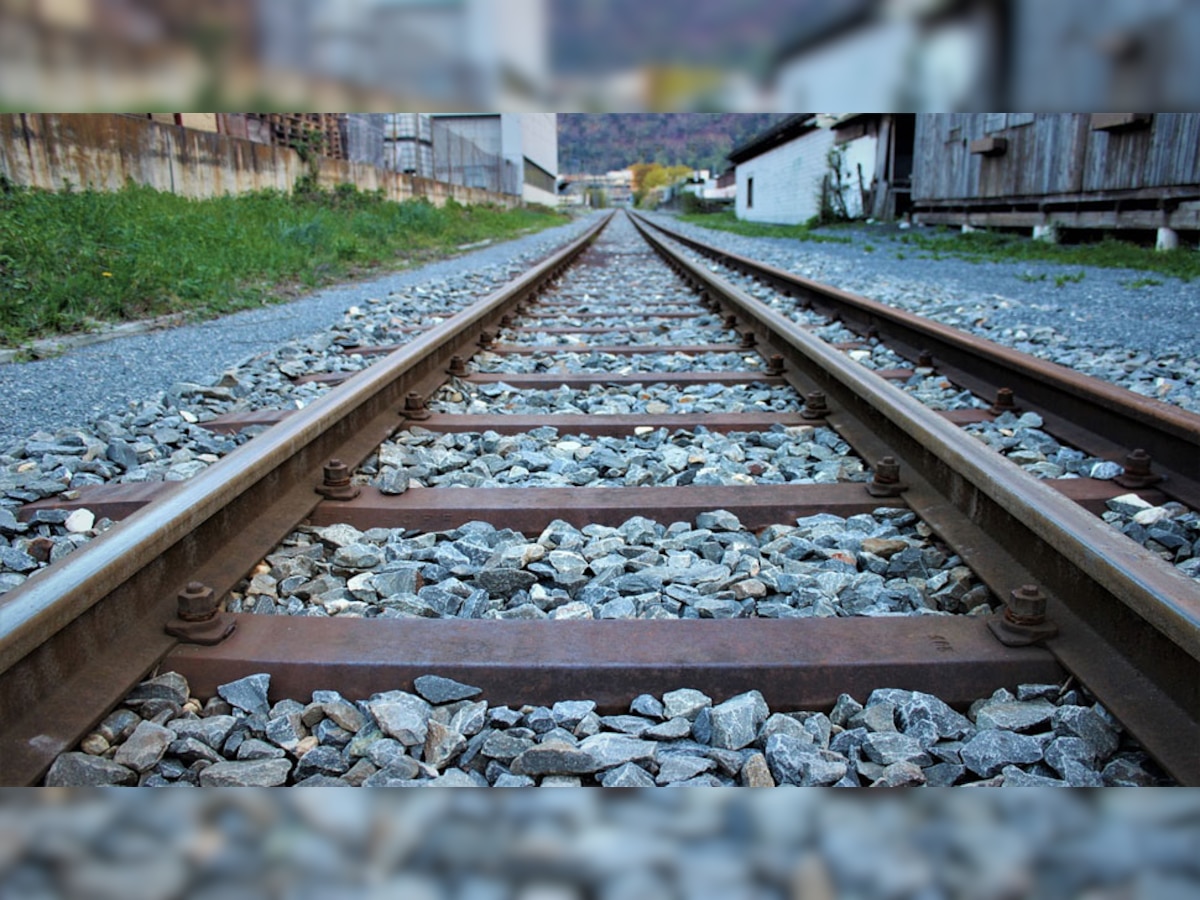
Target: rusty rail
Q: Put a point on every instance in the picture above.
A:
(77, 636)
(1128, 622)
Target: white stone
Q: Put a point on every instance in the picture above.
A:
(1152, 516)
(80, 521)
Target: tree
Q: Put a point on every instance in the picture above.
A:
(647, 177)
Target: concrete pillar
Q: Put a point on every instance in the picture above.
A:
(1047, 233)
(1168, 239)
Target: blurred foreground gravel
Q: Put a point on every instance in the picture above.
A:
(578, 845)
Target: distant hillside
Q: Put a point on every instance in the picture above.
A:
(596, 143)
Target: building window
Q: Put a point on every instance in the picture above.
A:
(749, 192)
(537, 177)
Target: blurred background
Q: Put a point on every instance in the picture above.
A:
(600, 55)
(578, 845)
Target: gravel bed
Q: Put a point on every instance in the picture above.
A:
(439, 735)
(882, 564)
(1139, 337)
(670, 336)
(619, 318)
(1019, 438)
(564, 361)
(181, 371)
(541, 457)
(1171, 530)
(463, 397)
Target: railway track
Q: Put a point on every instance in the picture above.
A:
(810, 434)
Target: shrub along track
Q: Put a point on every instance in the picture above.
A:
(74, 639)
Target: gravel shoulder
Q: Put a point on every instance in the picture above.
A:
(90, 381)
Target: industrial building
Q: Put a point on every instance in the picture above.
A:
(526, 144)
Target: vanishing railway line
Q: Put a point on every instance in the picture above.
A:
(440, 433)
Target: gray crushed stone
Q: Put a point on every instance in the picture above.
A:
(883, 564)
(1045, 735)
(796, 454)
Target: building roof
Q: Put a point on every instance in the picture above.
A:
(789, 129)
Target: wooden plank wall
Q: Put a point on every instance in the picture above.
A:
(1050, 154)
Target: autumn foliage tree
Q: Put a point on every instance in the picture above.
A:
(647, 177)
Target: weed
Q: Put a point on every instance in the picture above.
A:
(868, 248)
(1144, 282)
(1065, 279)
(1030, 277)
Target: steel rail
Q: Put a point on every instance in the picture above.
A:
(76, 636)
(1096, 416)
(1129, 623)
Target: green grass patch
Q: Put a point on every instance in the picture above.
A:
(1145, 282)
(74, 259)
(1109, 253)
(1068, 278)
(726, 220)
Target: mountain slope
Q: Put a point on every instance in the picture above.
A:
(599, 142)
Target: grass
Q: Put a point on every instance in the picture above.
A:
(1144, 282)
(1109, 253)
(71, 260)
(984, 246)
(726, 220)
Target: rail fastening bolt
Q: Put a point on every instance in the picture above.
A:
(748, 340)
(458, 367)
(925, 359)
(485, 339)
(1137, 472)
(815, 406)
(887, 471)
(774, 365)
(335, 483)
(414, 406)
(1005, 402)
(1026, 606)
(1137, 462)
(731, 322)
(886, 480)
(197, 603)
(506, 321)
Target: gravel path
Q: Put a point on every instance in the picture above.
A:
(72, 389)
(1103, 322)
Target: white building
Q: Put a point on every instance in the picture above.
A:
(526, 143)
(841, 166)
(780, 172)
